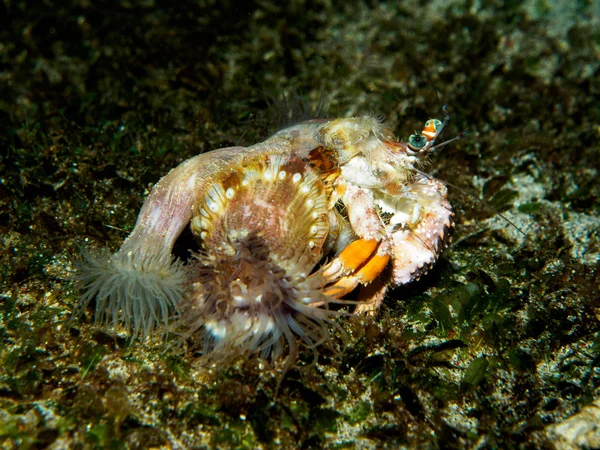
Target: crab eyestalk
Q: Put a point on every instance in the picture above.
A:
(140, 286)
(422, 144)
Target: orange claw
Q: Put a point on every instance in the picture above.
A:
(358, 263)
(351, 258)
(372, 268)
(357, 253)
(342, 287)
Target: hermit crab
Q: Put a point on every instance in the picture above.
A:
(285, 229)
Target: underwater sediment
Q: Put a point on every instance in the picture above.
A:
(497, 346)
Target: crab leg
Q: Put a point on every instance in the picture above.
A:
(363, 260)
(363, 216)
(374, 294)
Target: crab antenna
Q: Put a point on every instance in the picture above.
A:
(446, 115)
(457, 138)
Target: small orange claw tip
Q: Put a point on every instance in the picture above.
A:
(373, 268)
(356, 253)
(342, 287)
(333, 270)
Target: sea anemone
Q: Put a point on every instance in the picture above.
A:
(135, 290)
(248, 303)
(254, 286)
(140, 286)
(261, 218)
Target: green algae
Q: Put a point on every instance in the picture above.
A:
(476, 372)
(530, 208)
(360, 412)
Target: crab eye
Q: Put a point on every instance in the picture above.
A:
(433, 125)
(417, 141)
(432, 128)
